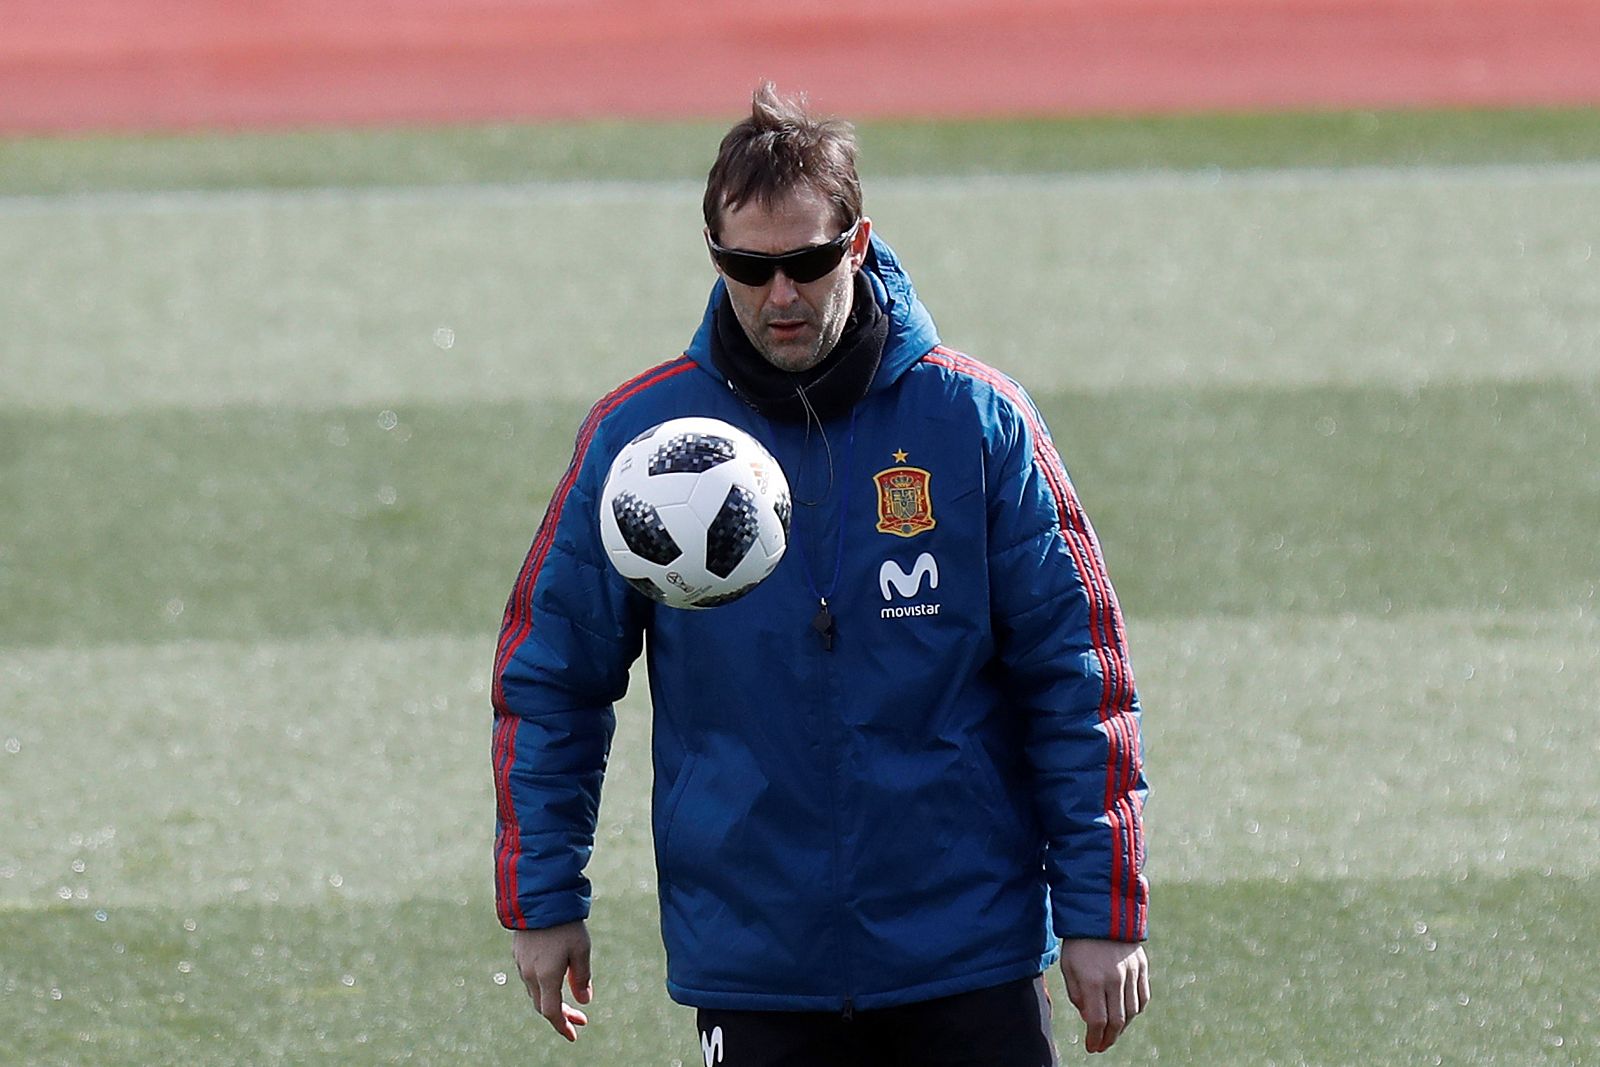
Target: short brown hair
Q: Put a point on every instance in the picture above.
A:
(779, 148)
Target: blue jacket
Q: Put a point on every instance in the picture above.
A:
(919, 811)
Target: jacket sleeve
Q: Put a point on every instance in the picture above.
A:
(569, 634)
(1062, 646)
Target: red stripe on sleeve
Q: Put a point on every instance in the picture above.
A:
(1107, 636)
(505, 750)
(517, 623)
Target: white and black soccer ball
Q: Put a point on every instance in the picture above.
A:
(694, 513)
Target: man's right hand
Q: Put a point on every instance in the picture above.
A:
(544, 958)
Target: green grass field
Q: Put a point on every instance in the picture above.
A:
(279, 415)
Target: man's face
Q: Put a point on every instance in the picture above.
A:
(793, 325)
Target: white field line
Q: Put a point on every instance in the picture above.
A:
(577, 192)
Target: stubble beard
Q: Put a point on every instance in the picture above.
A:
(802, 353)
(797, 355)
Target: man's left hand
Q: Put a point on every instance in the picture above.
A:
(1109, 983)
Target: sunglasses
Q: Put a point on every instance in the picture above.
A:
(800, 266)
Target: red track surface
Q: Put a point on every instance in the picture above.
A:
(147, 64)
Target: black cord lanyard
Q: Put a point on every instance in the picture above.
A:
(823, 622)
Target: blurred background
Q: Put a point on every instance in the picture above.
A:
(303, 304)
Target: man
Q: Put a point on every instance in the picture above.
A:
(903, 775)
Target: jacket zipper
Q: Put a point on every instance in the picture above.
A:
(830, 718)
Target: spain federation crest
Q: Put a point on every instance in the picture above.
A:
(905, 507)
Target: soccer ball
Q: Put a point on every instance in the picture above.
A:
(694, 513)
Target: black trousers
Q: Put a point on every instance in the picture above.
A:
(1003, 1026)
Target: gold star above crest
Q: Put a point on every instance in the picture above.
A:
(900, 456)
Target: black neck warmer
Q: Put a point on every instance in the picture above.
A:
(831, 388)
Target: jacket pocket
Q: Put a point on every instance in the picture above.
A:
(669, 815)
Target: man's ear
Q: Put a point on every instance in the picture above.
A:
(859, 246)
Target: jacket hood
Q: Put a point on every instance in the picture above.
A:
(911, 330)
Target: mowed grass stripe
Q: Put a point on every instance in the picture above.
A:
(1453, 745)
(683, 150)
(345, 298)
(245, 523)
(1249, 972)
(326, 772)
(426, 981)
(580, 192)
(336, 772)
(248, 523)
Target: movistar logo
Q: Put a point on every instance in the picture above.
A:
(891, 577)
(893, 582)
